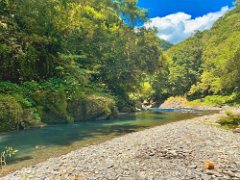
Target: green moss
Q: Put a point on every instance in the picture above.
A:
(52, 106)
(99, 107)
(32, 104)
(31, 117)
(11, 113)
(92, 107)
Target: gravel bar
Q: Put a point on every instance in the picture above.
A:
(173, 151)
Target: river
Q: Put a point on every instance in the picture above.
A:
(39, 144)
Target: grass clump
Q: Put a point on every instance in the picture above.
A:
(231, 121)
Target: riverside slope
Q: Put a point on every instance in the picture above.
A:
(173, 151)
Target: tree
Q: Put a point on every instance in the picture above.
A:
(237, 3)
(207, 63)
(231, 77)
(129, 12)
(185, 68)
(59, 53)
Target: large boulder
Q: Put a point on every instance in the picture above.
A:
(52, 106)
(11, 113)
(174, 102)
(93, 107)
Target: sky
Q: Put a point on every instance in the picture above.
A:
(176, 20)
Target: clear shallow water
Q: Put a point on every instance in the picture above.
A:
(36, 145)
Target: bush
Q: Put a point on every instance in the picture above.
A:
(231, 121)
(220, 100)
(228, 112)
(16, 91)
(7, 87)
(216, 100)
(21, 100)
(7, 152)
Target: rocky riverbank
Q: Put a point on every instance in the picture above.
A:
(183, 103)
(173, 151)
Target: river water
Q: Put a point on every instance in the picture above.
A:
(36, 145)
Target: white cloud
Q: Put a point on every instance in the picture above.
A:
(179, 26)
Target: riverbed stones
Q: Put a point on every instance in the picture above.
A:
(237, 130)
(170, 152)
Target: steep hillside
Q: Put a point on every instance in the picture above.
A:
(65, 61)
(165, 45)
(209, 62)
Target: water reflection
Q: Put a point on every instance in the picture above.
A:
(40, 144)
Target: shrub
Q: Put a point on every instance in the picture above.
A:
(220, 100)
(228, 112)
(7, 87)
(8, 152)
(16, 91)
(231, 121)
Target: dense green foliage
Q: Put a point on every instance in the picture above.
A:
(165, 45)
(67, 60)
(208, 63)
(185, 68)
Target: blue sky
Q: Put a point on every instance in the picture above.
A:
(178, 19)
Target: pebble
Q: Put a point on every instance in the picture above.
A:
(172, 151)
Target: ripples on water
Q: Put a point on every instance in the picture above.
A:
(36, 145)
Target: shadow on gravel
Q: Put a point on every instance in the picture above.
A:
(19, 159)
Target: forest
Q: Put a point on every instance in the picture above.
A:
(64, 61)
(207, 65)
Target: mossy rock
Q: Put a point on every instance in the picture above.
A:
(11, 113)
(52, 107)
(31, 118)
(76, 108)
(98, 107)
(93, 107)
